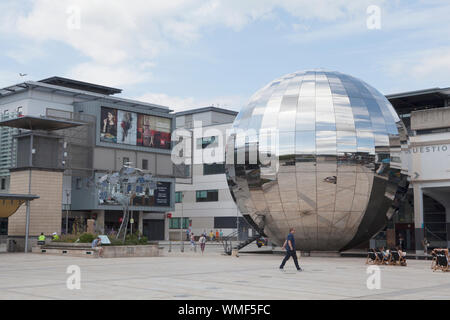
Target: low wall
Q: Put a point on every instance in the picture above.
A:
(66, 251)
(84, 250)
(131, 251)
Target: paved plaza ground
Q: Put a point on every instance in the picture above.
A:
(190, 275)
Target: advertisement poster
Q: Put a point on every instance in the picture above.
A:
(162, 194)
(127, 127)
(144, 135)
(161, 136)
(108, 123)
(153, 132)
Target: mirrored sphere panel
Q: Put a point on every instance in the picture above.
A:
(324, 142)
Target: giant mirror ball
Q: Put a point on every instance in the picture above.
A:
(336, 141)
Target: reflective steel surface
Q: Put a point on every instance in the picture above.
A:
(335, 182)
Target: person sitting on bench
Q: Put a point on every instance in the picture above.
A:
(96, 244)
(41, 239)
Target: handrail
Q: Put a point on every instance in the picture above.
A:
(428, 230)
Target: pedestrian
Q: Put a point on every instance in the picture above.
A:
(202, 241)
(193, 244)
(425, 243)
(217, 235)
(55, 236)
(221, 234)
(187, 234)
(289, 245)
(401, 241)
(211, 235)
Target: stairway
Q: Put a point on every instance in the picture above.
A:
(227, 244)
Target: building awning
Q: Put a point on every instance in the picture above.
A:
(36, 123)
(9, 203)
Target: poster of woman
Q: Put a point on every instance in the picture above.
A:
(144, 131)
(153, 132)
(108, 125)
(127, 127)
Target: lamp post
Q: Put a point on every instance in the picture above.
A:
(27, 225)
(182, 223)
(237, 223)
(67, 211)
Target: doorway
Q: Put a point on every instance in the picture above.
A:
(154, 229)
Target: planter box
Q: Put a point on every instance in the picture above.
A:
(84, 250)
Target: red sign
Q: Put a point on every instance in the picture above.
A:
(169, 215)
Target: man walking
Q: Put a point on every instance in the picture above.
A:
(289, 245)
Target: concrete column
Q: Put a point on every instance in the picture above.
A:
(447, 212)
(166, 228)
(100, 222)
(141, 222)
(418, 218)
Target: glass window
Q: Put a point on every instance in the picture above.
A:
(144, 164)
(3, 226)
(207, 196)
(203, 143)
(178, 197)
(174, 223)
(3, 184)
(215, 168)
(78, 183)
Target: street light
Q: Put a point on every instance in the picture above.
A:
(67, 211)
(182, 222)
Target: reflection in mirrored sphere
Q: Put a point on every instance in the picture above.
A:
(336, 144)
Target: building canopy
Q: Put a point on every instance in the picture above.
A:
(9, 203)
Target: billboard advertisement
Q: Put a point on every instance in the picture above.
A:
(108, 125)
(127, 127)
(153, 132)
(162, 194)
(124, 127)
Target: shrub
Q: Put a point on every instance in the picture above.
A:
(86, 238)
(135, 239)
(70, 238)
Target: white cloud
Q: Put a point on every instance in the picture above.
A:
(8, 78)
(433, 64)
(116, 76)
(122, 40)
(121, 34)
(185, 103)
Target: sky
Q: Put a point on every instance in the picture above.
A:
(196, 53)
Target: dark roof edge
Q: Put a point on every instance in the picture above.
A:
(418, 93)
(206, 109)
(76, 84)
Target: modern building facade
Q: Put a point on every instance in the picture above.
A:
(426, 211)
(203, 200)
(114, 132)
